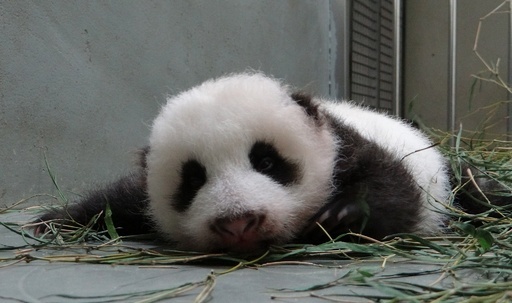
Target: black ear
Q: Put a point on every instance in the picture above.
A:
(311, 108)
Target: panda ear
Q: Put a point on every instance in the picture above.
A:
(310, 107)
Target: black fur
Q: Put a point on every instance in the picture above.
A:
(376, 191)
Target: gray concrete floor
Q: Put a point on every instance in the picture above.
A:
(43, 281)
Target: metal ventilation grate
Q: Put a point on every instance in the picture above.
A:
(371, 62)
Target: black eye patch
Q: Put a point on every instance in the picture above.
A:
(193, 177)
(266, 160)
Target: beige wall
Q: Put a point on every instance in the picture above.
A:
(426, 57)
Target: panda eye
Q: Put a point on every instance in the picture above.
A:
(266, 164)
(193, 177)
(265, 159)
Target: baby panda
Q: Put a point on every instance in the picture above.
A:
(241, 162)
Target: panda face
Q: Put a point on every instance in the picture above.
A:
(235, 165)
(237, 205)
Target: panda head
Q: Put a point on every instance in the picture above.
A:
(237, 164)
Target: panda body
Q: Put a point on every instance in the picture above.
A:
(240, 162)
(411, 148)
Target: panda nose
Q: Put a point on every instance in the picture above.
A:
(242, 227)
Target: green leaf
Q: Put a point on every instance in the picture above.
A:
(109, 223)
(468, 229)
(485, 239)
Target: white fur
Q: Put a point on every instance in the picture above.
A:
(217, 122)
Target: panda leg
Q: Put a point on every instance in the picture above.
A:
(126, 198)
